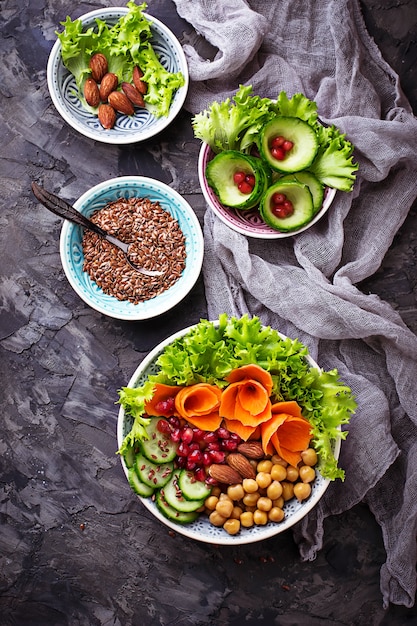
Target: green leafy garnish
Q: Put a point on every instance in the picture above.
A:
(133, 400)
(208, 352)
(126, 44)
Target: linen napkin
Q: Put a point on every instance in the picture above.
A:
(304, 286)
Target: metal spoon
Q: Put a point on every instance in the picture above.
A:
(60, 207)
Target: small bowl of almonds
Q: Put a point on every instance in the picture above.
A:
(117, 94)
(164, 237)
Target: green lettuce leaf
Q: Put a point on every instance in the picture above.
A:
(333, 164)
(133, 401)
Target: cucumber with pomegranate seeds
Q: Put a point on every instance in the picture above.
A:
(153, 474)
(159, 447)
(315, 186)
(191, 488)
(175, 498)
(172, 514)
(302, 136)
(301, 199)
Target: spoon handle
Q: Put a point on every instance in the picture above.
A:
(61, 208)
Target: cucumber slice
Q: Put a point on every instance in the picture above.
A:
(221, 170)
(145, 491)
(301, 199)
(159, 448)
(313, 183)
(129, 457)
(172, 514)
(153, 474)
(303, 137)
(175, 498)
(192, 489)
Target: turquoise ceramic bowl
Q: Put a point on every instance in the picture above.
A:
(128, 187)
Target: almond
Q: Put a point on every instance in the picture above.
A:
(108, 84)
(133, 94)
(241, 464)
(106, 115)
(224, 474)
(140, 85)
(251, 449)
(91, 93)
(98, 66)
(121, 102)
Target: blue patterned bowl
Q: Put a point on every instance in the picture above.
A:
(128, 187)
(128, 129)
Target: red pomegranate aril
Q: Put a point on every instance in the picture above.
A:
(228, 445)
(235, 437)
(238, 177)
(278, 198)
(183, 449)
(282, 211)
(190, 465)
(187, 434)
(278, 153)
(181, 462)
(174, 421)
(207, 459)
(194, 446)
(165, 406)
(163, 427)
(250, 179)
(288, 206)
(214, 445)
(176, 435)
(245, 188)
(277, 142)
(198, 434)
(287, 145)
(217, 456)
(210, 437)
(200, 474)
(223, 433)
(212, 482)
(196, 456)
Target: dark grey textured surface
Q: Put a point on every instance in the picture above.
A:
(76, 546)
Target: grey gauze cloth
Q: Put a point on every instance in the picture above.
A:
(304, 286)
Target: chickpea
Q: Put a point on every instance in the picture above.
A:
(216, 519)
(263, 479)
(292, 473)
(287, 490)
(278, 472)
(278, 503)
(260, 518)
(251, 499)
(309, 456)
(276, 514)
(264, 466)
(264, 504)
(274, 490)
(235, 492)
(302, 491)
(307, 473)
(246, 519)
(276, 460)
(211, 503)
(224, 496)
(250, 485)
(224, 508)
(236, 513)
(232, 526)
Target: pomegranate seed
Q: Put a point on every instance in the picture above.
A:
(223, 433)
(198, 434)
(174, 421)
(250, 179)
(287, 145)
(163, 427)
(228, 445)
(278, 198)
(182, 462)
(194, 446)
(282, 211)
(187, 434)
(206, 458)
(277, 142)
(238, 177)
(200, 474)
(165, 406)
(245, 187)
(196, 456)
(213, 446)
(183, 449)
(288, 206)
(217, 456)
(210, 437)
(176, 435)
(235, 437)
(190, 465)
(278, 153)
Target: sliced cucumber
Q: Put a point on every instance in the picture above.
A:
(175, 498)
(301, 199)
(137, 485)
(191, 488)
(129, 457)
(153, 474)
(300, 133)
(159, 448)
(173, 514)
(313, 183)
(220, 173)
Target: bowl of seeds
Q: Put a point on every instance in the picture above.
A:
(165, 237)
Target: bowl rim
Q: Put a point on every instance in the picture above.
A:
(225, 213)
(106, 136)
(195, 269)
(186, 530)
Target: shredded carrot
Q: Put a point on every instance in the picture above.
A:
(161, 394)
(244, 432)
(253, 372)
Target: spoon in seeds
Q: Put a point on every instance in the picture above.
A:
(61, 208)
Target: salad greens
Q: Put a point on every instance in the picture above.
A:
(210, 351)
(125, 45)
(234, 124)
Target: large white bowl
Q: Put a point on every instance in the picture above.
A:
(248, 222)
(129, 187)
(201, 529)
(128, 129)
